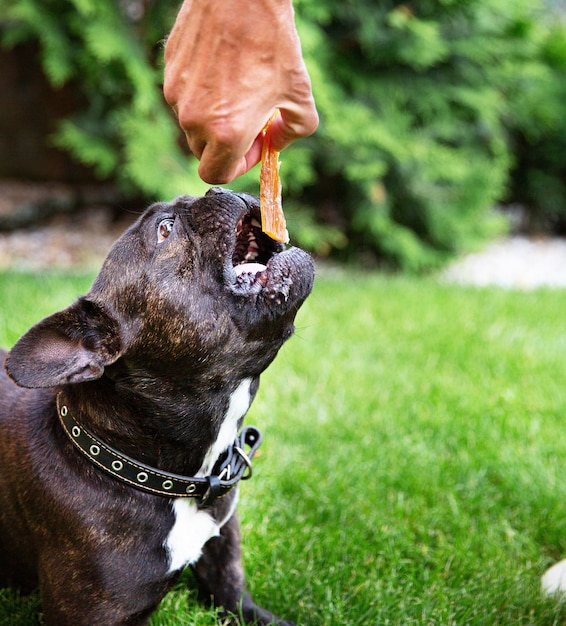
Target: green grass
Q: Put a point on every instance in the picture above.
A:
(413, 470)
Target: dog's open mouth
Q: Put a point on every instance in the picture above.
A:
(253, 251)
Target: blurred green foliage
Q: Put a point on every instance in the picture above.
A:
(537, 126)
(431, 114)
(423, 108)
(110, 50)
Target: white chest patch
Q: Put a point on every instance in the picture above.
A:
(193, 528)
(239, 404)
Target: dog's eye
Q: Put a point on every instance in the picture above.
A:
(164, 229)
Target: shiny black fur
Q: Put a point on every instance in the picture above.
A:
(148, 359)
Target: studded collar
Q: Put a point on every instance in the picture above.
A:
(234, 465)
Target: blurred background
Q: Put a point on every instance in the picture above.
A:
(443, 123)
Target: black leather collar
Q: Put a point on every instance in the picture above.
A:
(234, 465)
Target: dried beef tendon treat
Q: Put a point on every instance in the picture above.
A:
(272, 218)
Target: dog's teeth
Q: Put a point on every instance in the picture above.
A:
(239, 226)
(249, 268)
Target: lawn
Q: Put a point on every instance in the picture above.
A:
(413, 470)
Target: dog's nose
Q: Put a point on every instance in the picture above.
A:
(250, 200)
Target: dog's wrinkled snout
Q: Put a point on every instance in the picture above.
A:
(264, 278)
(216, 190)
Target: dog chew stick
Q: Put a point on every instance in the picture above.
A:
(272, 217)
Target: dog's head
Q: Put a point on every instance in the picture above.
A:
(193, 291)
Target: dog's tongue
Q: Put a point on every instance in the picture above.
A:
(249, 268)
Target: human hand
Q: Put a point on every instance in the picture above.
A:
(229, 64)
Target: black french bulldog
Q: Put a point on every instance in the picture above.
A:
(119, 445)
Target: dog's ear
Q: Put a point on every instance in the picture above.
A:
(71, 346)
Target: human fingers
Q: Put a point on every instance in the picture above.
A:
(217, 170)
(218, 166)
(226, 156)
(223, 174)
(293, 124)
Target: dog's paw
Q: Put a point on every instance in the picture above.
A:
(256, 616)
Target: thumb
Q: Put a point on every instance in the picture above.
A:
(291, 125)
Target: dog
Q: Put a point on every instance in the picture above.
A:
(119, 417)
